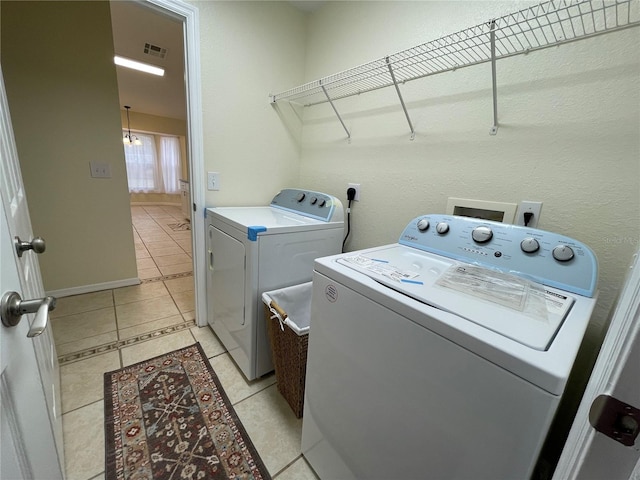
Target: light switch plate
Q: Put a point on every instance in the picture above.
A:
(100, 170)
(213, 181)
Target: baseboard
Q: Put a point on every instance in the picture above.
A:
(96, 287)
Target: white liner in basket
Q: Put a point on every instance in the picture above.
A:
(296, 302)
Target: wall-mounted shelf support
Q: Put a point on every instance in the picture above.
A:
(548, 24)
(404, 107)
(494, 128)
(336, 112)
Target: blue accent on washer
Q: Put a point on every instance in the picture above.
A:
(252, 232)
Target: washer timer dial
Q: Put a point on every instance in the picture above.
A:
(482, 234)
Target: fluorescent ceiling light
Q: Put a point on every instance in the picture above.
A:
(143, 67)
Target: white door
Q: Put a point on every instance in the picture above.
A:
(589, 454)
(31, 428)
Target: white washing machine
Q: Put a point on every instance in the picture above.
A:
(256, 249)
(445, 355)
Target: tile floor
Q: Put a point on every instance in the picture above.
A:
(103, 331)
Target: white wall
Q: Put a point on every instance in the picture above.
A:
(248, 49)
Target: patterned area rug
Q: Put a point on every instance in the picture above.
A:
(169, 418)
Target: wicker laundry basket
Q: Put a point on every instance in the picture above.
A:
(287, 313)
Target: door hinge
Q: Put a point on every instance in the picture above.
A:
(615, 419)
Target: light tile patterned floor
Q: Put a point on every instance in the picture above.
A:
(104, 331)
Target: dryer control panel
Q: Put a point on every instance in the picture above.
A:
(312, 204)
(544, 257)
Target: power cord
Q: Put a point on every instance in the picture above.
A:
(351, 194)
(527, 218)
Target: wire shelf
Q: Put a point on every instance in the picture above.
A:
(545, 25)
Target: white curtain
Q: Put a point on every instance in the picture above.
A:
(149, 171)
(170, 164)
(142, 169)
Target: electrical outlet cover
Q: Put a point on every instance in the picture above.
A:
(357, 188)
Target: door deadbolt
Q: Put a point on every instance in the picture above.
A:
(615, 419)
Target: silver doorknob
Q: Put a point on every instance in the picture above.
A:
(12, 308)
(36, 244)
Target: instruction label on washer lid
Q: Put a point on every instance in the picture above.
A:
(381, 267)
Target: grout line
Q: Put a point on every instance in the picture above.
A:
(287, 466)
(274, 384)
(122, 343)
(101, 399)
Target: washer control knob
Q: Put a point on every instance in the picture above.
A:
(563, 253)
(301, 196)
(482, 234)
(322, 202)
(313, 200)
(423, 225)
(442, 228)
(529, 245)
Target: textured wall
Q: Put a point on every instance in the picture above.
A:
(569, 135)
(569, 130)
(248, 50)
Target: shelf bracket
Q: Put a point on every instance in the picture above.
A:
(494, 128)
(336, 112)
(395, 84)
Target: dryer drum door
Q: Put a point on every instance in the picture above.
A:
(226, 267)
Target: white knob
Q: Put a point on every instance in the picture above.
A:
(442, 228)
(423, 225)
(300, 196)
(313, 200)
(563, 253)
(529, 245)
(482, 234)
(322, 202)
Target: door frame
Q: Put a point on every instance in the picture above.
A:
(189, 16)
(623, 332)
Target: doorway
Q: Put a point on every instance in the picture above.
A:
(167, 30)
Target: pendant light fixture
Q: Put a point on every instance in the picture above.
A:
(129, 139)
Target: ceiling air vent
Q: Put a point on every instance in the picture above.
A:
(155, 50)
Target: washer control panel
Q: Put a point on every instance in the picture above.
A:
(544, 257)
(310, 204)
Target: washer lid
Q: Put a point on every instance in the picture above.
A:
(516, 308)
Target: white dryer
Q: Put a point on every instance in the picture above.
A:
(256, 249)
(445, 355)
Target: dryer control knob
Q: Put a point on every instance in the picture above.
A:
(529, 245)
(442, 228)
(300, 197)
(322, 202)
(563, 253)
(313, 200)
(482, 234)
(423, 225)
